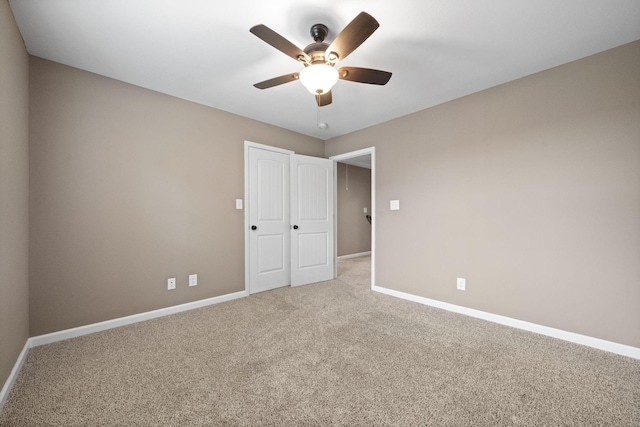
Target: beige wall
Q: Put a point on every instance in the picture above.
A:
(529, 190)
(353, 195)
(14, 187)
(128, 188)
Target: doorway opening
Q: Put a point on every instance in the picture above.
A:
(364, 158)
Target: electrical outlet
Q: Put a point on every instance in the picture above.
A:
(461, 284)
(171, 283)
(193, 279)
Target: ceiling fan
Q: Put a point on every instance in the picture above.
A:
(319, 58)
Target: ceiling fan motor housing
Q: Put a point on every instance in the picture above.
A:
(316, 52)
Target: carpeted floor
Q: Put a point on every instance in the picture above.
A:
(328, 354)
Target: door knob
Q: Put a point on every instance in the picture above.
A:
(253, 227)
(295, 227)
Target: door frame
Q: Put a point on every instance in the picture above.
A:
(345, 156)
(340, 157)
(247, 146)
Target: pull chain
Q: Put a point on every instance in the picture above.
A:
(347, 173)
(321, 125)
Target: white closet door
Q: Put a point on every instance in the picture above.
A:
(312, 248)
(269, 239)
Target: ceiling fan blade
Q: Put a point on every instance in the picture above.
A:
(276, 40)
(324, 99)
(364, 75)
(277, 81)
(353, 35)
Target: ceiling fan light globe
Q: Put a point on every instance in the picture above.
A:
(319, 78)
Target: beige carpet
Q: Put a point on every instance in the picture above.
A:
(328, 354)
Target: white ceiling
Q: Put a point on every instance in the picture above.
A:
(437, 50)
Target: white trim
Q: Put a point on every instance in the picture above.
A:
(351, 154)
(358, 153)
(248, 144)
(374, 217)
(358, 255)
(335, 219)
(8, 385)
(622, 349)
(127, 320)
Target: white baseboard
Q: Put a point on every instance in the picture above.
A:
(359, 254)
(609, 346)
(101, 326)
(8, 385)
(622, 349)
(134, 318)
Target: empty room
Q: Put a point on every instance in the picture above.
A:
(319, 213)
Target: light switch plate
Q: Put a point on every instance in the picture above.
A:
(394, 205)
(238, 203)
